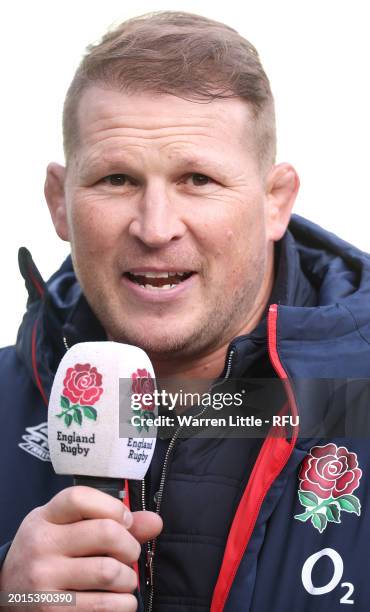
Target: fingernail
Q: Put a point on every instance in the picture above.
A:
(127, 519)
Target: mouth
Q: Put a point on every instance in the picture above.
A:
(158, 281)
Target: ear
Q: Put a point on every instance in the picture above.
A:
(281, 189)
(55, 197)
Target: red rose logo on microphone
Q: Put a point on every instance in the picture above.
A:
(82, 389)
(328, 476)
(143, 388)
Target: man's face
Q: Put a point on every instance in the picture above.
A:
(162, 185)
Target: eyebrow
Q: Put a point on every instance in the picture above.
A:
(87, 165)
(210, 163)
(185, 162)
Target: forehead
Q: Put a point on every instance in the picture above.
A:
(105, 116)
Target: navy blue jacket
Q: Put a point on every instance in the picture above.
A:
(232, 540)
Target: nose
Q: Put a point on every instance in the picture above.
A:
(157, 221)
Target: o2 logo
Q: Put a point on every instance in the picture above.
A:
(335, 579)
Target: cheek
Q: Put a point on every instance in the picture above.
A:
(241, 247)
(226, 256)
(226, 243)
(94, 228)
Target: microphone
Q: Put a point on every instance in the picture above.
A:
(93, 420)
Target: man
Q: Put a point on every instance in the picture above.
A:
(177, 216)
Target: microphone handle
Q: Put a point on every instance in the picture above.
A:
(112, 486)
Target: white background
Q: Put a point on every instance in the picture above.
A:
(315, 52)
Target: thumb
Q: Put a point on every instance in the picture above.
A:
(146, 526)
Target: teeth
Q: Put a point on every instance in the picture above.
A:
(154, 274)
(160, 274)
(153, 288)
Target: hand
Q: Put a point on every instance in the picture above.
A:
(82, 540)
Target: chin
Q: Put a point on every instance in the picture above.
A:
(154, 343)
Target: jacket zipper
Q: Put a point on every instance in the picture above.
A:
(151, 545)
(223, 586)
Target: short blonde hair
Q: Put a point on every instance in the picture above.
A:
(177, 53)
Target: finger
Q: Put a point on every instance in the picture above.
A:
(78, 503)
(119, 602)
(146, 526)
(94, 573)
(97, 537)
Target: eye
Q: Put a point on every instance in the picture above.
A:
(117, 180)
(199, 180)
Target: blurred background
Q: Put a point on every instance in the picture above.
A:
(315, 53)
